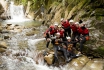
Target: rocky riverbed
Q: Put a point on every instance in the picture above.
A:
(21, 54)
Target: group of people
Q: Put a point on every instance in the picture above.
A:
(64, 37)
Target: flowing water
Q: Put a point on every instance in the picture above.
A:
(21, 53)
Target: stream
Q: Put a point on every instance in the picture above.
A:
(21, 53)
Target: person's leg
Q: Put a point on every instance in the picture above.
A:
(81, 43)
(47, 40)
(55, 53)
(65, 53)
(73, 55)
(64, 39)
(65, 33)
(69, 32)
(47, 44)
(73, 36)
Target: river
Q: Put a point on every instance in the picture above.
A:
(21, 53)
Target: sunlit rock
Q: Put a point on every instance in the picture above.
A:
(49, 58)
(2, 50)
(1, 9)
(94, 65)
(1, 29)
(3, 44)
(30, 33)
(78, 63)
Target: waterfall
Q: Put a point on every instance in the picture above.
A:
(16, 12)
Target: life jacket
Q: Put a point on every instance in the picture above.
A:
(65, 24)
(84, 32)
(73, 27)
(57, 41)
(79, 30)
(69, 47)
(52, 30)
(61, 33)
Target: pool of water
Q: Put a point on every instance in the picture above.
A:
(26, 23)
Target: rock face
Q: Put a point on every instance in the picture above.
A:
(86, 11)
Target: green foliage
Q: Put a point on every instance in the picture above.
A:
(24, 2)
(100, 50)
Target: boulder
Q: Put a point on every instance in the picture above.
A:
(49, 58)
(1, 9)
(3, 47)
(30, 33)
(17, 30)
(2, 50)
(6, 37)
(0, 29)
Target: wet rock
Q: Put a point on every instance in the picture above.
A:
(6, 37)
(17, 30)
(1, 29)
(2, 50)
(1, 9)
(5, 31)
(30, 33)
(3, 45)
(1, 39)
(34, 29)
(78, 63)
(49, 58)
(94, 65)
(9, 24)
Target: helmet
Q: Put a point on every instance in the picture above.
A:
(76, 22)
(59, 26)
(56, 24)
(61, 19)
(71, 20)
(68, 37)
(58, 34)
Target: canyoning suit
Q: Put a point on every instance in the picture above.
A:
(66, 27)
(84, 36)
(62, 34)
(57, 45)
(70, 49)
(49, 33)
(75, 32)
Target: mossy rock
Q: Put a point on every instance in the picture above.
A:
(99, 12)
(42, 45)
(100, 50)
(100, 26)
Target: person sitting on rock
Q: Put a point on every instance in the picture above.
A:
(58, 46)
(84, 35)
(70, 48)
(50, 32)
